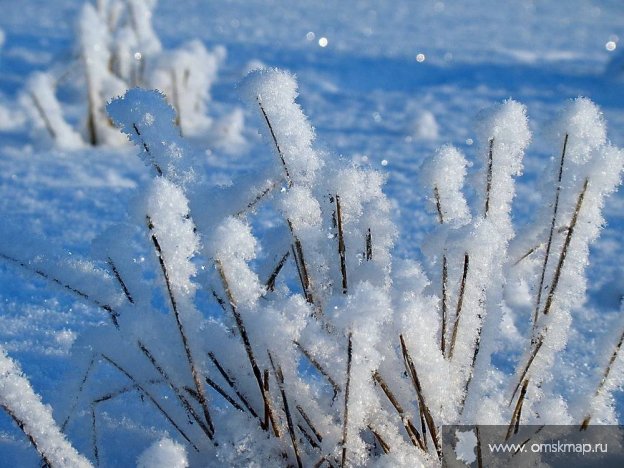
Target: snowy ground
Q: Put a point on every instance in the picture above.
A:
(393, 81)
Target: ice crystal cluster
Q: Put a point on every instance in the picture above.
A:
(308, 342)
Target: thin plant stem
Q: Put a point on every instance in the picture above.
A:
(279, 375)
(111, 312)
(195, 373)
(550, 234)
(412, 432)
(460, 301)
(266, 397)
(564, 250)
(345, 419)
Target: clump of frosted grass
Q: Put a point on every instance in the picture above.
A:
(116, 49)
(309, 343)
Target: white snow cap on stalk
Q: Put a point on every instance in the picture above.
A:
(276, 90)
(18, 398)
(233, 245)
(504, 134)
(40, 99)
(141, 13)
(164, 453)
(584, 124)
(168, 210)
(444, 174)
(148, 120)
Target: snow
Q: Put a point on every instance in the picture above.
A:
(164, 453)
(392, 91)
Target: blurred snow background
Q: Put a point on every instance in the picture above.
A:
(383, 82)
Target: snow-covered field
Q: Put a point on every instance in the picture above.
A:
(382, 82)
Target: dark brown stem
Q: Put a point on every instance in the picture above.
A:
(436, 195)
(259, 197)
(460, 301)
(605, 376)
(341, 246)
(22, 427)
(318, 367)
(488, 186)
(266, 397)
(147, 150)
(111, 312)
(174, 388)
(275, 142)
(195, 373)
(550, 235)
(306, 418)
(411, 370)
(345, 419)
(150, 397)
(230, 381)
(80, 389)
(120, 280)
(369, 245)
(515, 417)
(444, 304)
(564, 250)
(270, 284)
(224, 394)
(301, 265)
(279, 375)
(382, 443)
(536, 349)
(412, 432)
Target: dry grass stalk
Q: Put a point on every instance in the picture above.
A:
(382, 443)
(550, 234)
(564, 250)
(536, 348)
(341, 246)
(43, 115)
(270, 284)
(175, 96)
(488, 186)
(275, 142)
(460, 301)
(604, 378)
(369, 245)
(150, 397)
(22, 427)
(147, 150)
(436, 196)
(111, 312)
(197, 377)
(424, 409)
(411, 430)
(231, 382)
(444, 303)
(258, 198)
(266, 396)
(318, 366)
(514, 424)
(279, 375)
(174, 388)
(304, 277)
(345, 419)
(120, 280)
(77, 396)
(223, 393)
(308, 421)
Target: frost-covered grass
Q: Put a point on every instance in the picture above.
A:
(337, 240)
